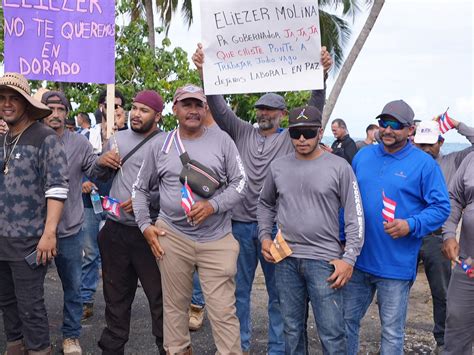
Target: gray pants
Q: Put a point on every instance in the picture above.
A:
(438, 273)
(459, 337)
(22, 304)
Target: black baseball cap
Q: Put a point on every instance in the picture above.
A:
(305, 116)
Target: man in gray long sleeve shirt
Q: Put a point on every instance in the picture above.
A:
(195, 232)
(80, 158)
(437, 267)
(125, 254)
(258, 148)
(459, 338)
(307, 214)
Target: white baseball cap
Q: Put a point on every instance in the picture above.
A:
(427, 132)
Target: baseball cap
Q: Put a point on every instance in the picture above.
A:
(151, 99)
(271, 100)
(189, 91)
(305, 116)
(427, 132)
(399, 110)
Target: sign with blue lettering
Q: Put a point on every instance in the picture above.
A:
(61, 40)
(261, 46)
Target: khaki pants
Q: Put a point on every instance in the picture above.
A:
(216, 263)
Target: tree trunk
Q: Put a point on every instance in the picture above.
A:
(351, 58)
(150, 22)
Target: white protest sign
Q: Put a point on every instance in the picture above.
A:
(261, 46)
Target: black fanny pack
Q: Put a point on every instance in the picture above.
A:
(201, 179)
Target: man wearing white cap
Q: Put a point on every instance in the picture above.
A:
(33, 187)
(437, 268)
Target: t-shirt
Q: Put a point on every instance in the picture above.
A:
(37, 171)
(306, 196)
(345, 148)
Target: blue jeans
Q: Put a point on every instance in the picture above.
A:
(91, 260)
(392, 298)
(250, 253)
(296, 281)
(198, 298)
(69, 266)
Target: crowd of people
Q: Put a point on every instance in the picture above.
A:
(191, 212)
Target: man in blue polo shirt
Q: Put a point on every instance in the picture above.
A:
(405, 198)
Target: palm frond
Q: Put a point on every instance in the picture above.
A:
(335, 34)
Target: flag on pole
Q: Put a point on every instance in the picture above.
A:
(112, 205)
(388, 212)
(445, 123)
(187, 199)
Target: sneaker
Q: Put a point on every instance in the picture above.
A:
(87, 310)
(71, 346)
(196, 317)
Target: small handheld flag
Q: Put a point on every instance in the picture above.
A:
(445, 123)
(187, 199)
(388, 212)
(466, 265)
(112, 205)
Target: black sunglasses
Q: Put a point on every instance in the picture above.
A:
(307, 133)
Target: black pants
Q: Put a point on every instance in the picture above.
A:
(438, 273)
(126, 257)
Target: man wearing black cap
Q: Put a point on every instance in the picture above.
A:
(258, 148)
(405, 198)
(124, 251)
(307, 214)
(33, 187)
(80, 158)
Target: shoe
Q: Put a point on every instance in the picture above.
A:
(196, 317)
(71, 346)
(87, 310)
(16, 347)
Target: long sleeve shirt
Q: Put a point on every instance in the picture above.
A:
(413, 180)
(305, 196)
(461, 194)
(160, 170)
(257, 151)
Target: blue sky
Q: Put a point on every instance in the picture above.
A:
(419, 50)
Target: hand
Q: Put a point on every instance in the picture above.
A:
(127, 206)
(326, 148)
(3, 127)
(397, 229)
(87, 187)
(342, 273)
(200, 211)
(46, 248)
(450, 249)
(110, 159)
(198, 59)
(151, 235)
(266, 244)
(326, 60)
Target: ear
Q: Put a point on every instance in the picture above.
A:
(158, 117)
(174, 109)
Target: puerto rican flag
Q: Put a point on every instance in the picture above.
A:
(187, 199)
(445, 123)
(388, 212)
(112, 205)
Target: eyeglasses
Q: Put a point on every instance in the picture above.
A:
(116, 106)
(395, 125)
(307, 133)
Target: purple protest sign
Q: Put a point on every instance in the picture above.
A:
(61, 40)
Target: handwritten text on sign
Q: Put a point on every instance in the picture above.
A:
(61, 40)
(261, 46)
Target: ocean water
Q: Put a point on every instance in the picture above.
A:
(445, 149)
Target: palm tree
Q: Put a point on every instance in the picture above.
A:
(351, 58)
(144, 8)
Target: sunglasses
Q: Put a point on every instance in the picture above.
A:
(116, 106)
(307, 133)
(395, 125)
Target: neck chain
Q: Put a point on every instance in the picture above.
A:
(7, 156)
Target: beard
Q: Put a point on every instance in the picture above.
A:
(266, 123)
(145, 127)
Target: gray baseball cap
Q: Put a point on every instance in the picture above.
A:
(271, 100)
(399, 110)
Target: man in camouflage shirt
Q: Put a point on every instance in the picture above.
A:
(33, 187)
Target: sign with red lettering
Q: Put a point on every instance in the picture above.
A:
(61, 40)
(261, 46)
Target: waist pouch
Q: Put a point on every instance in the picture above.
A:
(201, 179)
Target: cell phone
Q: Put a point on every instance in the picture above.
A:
(31, 260)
